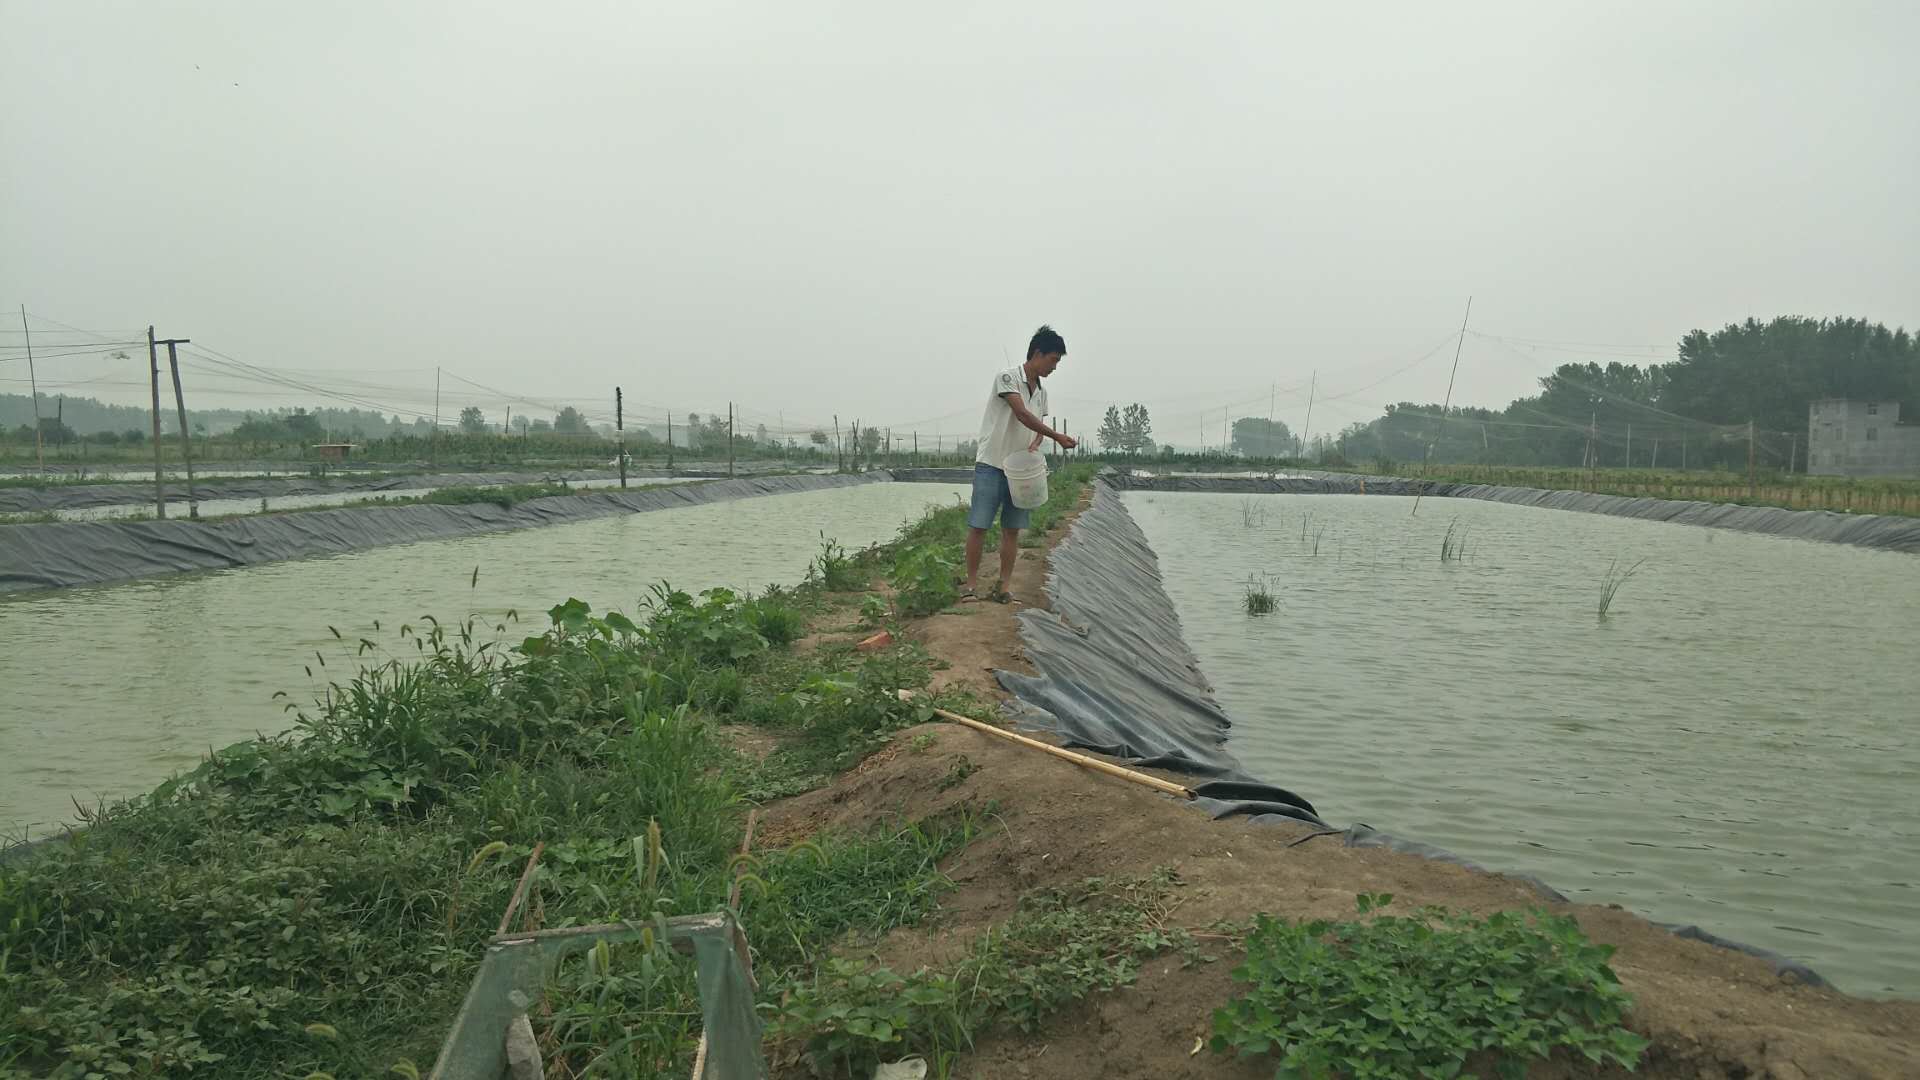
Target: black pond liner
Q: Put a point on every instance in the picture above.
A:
(37, 498)
(1882, 531)
(1116, 677)
(63, 554)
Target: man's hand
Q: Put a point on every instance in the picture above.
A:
(1067, 442)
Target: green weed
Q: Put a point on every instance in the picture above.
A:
(1423, 995)
(834, 570)
(1610, 585)
(1257, 598)
(1058, 948)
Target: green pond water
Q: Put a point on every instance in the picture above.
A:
(1734, 745)
(110, 689)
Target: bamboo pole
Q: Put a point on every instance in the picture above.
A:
(1154, 782)
(520, 890)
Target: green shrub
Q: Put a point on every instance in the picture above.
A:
(1422, 995)
(923, 579)
(779, 622)
(835, 570)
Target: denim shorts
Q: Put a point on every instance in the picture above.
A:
(992, 496)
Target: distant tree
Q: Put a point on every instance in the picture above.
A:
(521, 423)
(570, 422)
(1256, 436)
(1112, 433)
(817, 437)
(1136, 429)
(870, 441)
(304, 426)
(473, 421)
(55, 432)
(133, 436)
(760, 435)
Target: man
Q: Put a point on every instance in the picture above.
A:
(1014, 407)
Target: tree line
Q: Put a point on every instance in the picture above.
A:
(1692, 410)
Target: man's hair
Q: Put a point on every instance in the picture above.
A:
(1047, 340)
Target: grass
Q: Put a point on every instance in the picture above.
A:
(1453, 546)
(1610, 585)
(1059, 947)
(1793, 491)
(1257, 599)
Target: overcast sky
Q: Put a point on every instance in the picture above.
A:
(865, 208)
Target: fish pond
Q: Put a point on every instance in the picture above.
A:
(1733, 744)
(110, 689)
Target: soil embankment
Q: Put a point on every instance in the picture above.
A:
(1709, 1011)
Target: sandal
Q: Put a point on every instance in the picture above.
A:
(1000, 596)
(968, 596)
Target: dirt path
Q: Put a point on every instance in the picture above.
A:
(1710, 1012)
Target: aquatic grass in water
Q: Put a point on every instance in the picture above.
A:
(1453, 546)
(1259, 600)
(1612, 582)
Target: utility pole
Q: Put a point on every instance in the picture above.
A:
(1750, 476)
(1629, 445)
(33, 385)
(729, 440)
(1655, 463)
(433, 437)
(1313, 390)
(1793, 450)
(669, 442)
(620, 428)
(159, 490)
(916, 448)
(186, 440)
(838, 462)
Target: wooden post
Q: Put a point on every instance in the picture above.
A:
(839, 461)
(669, 442)
(620, 433)
(916, 448)
(729, 440)
(433, 437)
(1655, 463)
(1629, 445)
(159, 488)
(1793, 450)
(186, 440)
(1750, 474)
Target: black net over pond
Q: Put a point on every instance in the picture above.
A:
(61, 554)
(1886, 532)
(1115, 676)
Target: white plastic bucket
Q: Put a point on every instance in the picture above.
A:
(1027, 478)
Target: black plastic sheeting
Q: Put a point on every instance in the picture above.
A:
(27, 500)
(1880, 531)
(1116, 677)
(64, 554)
